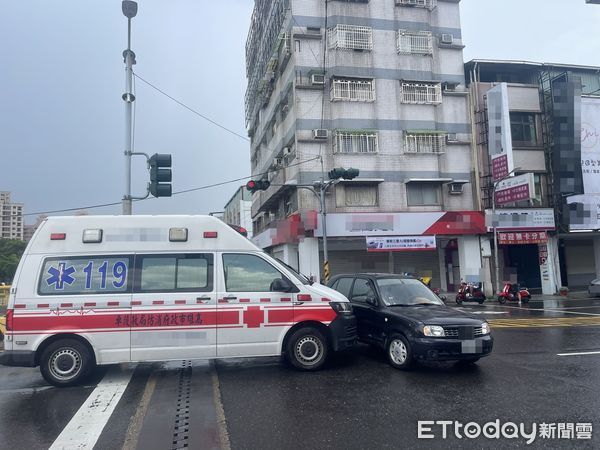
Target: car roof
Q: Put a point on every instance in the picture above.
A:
(372, 275)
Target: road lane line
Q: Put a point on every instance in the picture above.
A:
(84, 429)
(578, 354)
(221, 421)
(135, 426)
(550, 310)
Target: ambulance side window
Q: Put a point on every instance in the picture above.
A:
(248, 273)
(174, 273)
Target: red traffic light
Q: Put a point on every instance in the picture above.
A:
(251, 185)
(260, 185)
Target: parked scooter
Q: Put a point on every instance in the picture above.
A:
(470, 292)
(514, 293)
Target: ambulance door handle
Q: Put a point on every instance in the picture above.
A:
(203, 299)
(297, 303)
(230, 297)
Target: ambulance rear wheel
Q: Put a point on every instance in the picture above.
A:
(65, 362)
(307, 349)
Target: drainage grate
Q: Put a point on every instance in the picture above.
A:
(182, 413)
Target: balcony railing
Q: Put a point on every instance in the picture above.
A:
(414, 42)
(350, 37)
(355, 142)
(418, 142)
(421, 93)
(353, 90)
(429, 4)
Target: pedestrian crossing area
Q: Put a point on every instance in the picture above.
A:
(543, 322)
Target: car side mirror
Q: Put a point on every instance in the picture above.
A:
(371, 300)
(281, 285)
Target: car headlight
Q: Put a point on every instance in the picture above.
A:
(485, 328)
(433, 331)
(341, 307)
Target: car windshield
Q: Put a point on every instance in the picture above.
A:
(303, 278)
(406, 292)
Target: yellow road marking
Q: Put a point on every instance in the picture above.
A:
(545, 322)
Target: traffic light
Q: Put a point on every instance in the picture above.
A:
(340, 172)
(160, 176)
(258, 185)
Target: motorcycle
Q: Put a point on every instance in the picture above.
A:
(427, 282)
(513, 293)
(470, 292)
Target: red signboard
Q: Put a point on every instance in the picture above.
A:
(523, 237)
(499, 166)
(513, 194)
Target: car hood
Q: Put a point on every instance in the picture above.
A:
(320, 291)
(436, 315)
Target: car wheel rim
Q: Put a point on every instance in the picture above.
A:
(398, 351)
(65, 364)
(309, 350)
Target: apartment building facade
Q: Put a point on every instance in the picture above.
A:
(11, 218)
(376, 85)
(238, 210)
(553, 112)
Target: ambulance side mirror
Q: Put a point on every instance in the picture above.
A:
(281, 285)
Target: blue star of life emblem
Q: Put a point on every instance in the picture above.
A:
(61, 275)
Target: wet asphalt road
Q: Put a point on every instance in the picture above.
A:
(359, 401)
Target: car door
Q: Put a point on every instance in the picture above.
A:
(370, 322)
(253, 317)
(173, 307)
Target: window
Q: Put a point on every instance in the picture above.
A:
(429, 4)
(424, 142)
(357, 195)
(85, 275)
(421, 93)
(423, 194)
(248, 273)
(355, 142)
(350, 37)
(343, 286)
(180, 273)
(415, 42)
(356, 90)
(361, 290)
(523, 129)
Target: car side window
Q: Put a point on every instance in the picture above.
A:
(175, 273)
(248, 273)
(343, 286)
(361, 290)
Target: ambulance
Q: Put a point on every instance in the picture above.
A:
(96, 290)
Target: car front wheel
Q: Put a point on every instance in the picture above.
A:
(399, 352)
(307, 349)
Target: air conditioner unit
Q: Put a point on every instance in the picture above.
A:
(317, 79)
(320, 133)
(452, 137)
(449, 87)
(286, 151)
(455, 189)
(447, 38)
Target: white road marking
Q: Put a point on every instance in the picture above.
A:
(578, 354)
(484, 312)
(551, 310)
(87, 424)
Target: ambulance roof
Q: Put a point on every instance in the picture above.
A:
(136, 233)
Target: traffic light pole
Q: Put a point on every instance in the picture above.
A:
(129, 10)
(323, 188)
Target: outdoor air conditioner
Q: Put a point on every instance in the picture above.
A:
(286, 151)
(317, 79)
(447, 38)
(455, 188)
(320, 133)
(452, 137)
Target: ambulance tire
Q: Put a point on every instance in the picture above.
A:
(307, 349)
(66, 362)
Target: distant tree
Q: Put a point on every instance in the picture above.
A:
(10, 254)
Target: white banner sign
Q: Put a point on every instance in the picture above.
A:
(499, 136)
(521, 219)
(400, 243)
(586, 215)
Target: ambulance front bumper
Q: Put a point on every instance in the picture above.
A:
(18, 358)
(343, 332)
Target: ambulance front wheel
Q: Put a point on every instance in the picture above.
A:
(65, 362)
(307, 349)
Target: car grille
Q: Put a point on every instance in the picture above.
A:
(478, 331)
(451, 332)
(463, 332)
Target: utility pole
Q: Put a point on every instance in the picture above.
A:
(129, 9)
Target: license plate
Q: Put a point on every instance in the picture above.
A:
(471, 346)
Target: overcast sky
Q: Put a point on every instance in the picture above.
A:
(62, 76)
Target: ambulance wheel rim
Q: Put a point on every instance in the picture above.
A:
(309, 350)
(65, 364)
(398, 351)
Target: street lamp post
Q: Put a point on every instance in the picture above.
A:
(494, 223)
(129, 9)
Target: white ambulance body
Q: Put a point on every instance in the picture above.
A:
(111, 289)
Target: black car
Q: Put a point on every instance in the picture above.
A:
(399, 314)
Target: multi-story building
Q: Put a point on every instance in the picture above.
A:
(377, 85)
(238, 210)
(553, 122)
(11, 218)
